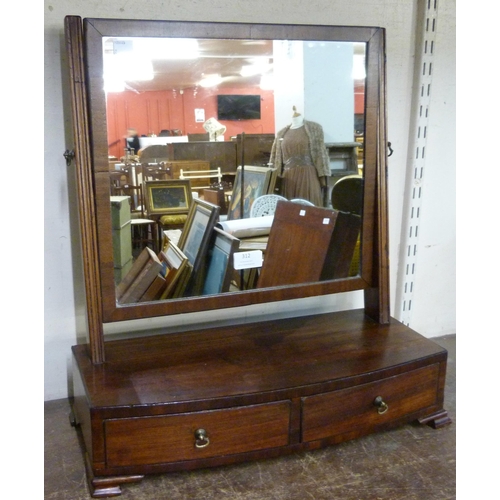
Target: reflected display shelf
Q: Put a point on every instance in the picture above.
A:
(220, 396)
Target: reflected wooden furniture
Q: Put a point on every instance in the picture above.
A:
(156, 153)
(188, 166)
(144, 233)
(218, 154)
(255, 149)
(343, 161)
(155, 171)
(122, 235)
(347, 196)
(217, 197)
(307, 244)
(143, 229)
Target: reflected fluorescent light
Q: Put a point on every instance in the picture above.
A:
(210, 80)
(113, 85)
(258, 66)
(166, 48)
(267, 82)
(122, 68)
(358, 67)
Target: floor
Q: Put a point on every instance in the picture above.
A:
(414, 462)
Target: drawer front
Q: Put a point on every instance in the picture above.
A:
(164, 439)
(352, 412)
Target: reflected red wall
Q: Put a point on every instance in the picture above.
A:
(151, 112)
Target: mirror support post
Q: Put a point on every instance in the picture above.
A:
(86, 198)
(377, 299)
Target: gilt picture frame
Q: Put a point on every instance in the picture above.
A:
(165, 197)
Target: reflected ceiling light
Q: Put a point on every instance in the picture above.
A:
(210, 80)
(152, 48)
(122, 68)
(257, 67)
(127, 67)
(267, 82)
(358, 67)
(166, 48)
(113, 85)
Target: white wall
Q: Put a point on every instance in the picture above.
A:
(64, 308)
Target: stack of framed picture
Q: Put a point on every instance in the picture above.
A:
(176, 271)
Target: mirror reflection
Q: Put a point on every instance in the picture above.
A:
(234, 164)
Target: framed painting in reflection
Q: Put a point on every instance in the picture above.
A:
(257, 181)
(195, 239)
(168, 197)
(220, 269)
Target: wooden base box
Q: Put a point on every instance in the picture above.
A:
(249, 392)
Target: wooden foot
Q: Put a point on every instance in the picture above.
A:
(104, 487)
(72, 419)
(436, 420)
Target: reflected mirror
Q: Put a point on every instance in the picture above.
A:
(194, 126)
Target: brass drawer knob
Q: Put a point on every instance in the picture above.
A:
(201, 438)
(382, 407)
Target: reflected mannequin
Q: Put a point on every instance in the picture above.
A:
(300, 155)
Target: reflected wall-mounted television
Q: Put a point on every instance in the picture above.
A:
(238, 107)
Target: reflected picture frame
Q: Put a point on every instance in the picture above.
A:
(220, 267)
(257, 182)
(196, 236)
(176, 271)
(165, 197)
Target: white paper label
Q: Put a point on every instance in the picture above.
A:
(248, 260)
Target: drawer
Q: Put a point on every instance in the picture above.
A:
(351, 412)
(164, 439)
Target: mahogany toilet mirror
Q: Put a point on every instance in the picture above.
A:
(218, 396)
(86, 39)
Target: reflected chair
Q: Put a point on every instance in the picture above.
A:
(347, 194)
(301, 201)
(156, 153)
(144, 229)
(265, 205)
(155, 171)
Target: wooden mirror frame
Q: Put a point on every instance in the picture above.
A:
(91, 157)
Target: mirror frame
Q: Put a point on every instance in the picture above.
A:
(89, 110)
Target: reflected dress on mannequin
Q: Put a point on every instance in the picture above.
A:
(300, 179)
(299, 153)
